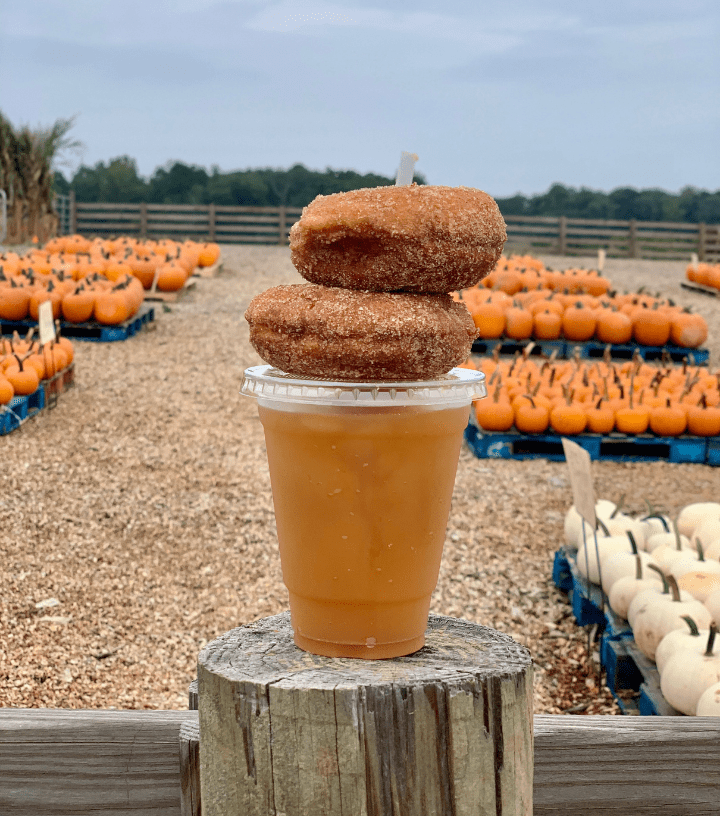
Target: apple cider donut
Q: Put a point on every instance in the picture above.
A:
(410, 238)
(329, 333)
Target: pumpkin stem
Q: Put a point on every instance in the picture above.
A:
(659, 516)
(601, 524)
(638, 567)
(699, 548)
(678, 543)
(674, 588)
(694, 631)
(633, 543)
(618, 506)
(655, 568)
(711, 639)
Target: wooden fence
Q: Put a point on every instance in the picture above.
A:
(538, 235)
(657, 240)
(128, 762)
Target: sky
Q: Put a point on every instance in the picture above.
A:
(509, 97)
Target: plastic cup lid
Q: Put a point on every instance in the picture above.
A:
(461, 385)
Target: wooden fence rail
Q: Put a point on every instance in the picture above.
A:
(109, 762)
(271, 225)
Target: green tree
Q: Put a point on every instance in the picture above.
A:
(178, 183)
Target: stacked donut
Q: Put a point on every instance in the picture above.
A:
(381, 263)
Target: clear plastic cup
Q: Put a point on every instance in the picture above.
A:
(362, 477)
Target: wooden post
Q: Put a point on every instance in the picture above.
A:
(189, 769)
(282, 225)
(211, 222)
(702, 240)
(447, 730)
(632, 239)
(143, 220)
(562, 235)
(72, 205)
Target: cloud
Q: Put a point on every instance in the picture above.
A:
(485, 33)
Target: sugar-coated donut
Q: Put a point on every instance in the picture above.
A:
(412, 238)
(339, 334)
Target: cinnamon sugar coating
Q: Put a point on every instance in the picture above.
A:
(340, 334)
(399, 238)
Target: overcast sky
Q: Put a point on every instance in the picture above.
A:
(510, 96)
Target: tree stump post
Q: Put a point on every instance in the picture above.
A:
(446, 731)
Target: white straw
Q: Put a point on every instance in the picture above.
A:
(406, 171)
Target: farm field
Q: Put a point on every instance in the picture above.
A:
(138, 513)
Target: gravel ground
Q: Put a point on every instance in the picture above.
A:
(139, 510)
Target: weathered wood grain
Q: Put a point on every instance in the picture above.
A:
(190, 768)
(55, 762)
(446, 730)
(638, 766)
(82, 762)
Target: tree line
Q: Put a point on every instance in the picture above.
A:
(118, 181)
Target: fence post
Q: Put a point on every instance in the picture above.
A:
(281, 224)
(211, 222)
(143, 220)
(562, 235)
(448, 730)
(72, 214)
(702, 240)
(632, 239)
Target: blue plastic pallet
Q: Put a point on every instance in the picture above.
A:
(627, 669)
(614, 446)
(591, 350)
(626, 351)
(509, 347)
(632, 678)
(89, 331)
(589, 603)
(20, 409)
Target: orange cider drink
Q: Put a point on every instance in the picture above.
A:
(362, 490)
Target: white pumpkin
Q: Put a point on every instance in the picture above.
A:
(700, 584)
(691, 639)
(696, 563)
(590, 558)
(709, 702)
(604, 508)
(668, 552)
(712, 550)
(688, 563)
(625, 564)
(641, 597)
(627, 587)
(658, 616)
(574, 523)
(687, 676)
(692, 514)
(712, 604)
(708, 530)
(656, 523)
(667, 539)
(621, 524)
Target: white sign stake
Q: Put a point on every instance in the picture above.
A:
(406, 171)
(578, 460)
(46, 326)
(694, 259)
(601, 260)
